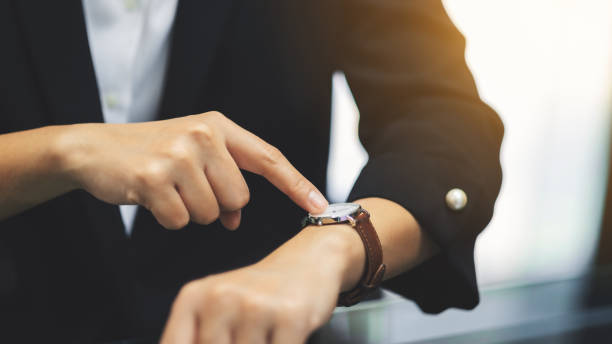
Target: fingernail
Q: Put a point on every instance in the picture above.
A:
(317, 200)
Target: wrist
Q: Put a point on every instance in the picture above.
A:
(66, 155)
(333, 254)
(343, 250)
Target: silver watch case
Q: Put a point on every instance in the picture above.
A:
(335, 213)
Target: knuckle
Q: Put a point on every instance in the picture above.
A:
(178, 221)
(217, 115)
(153, 174)
(256, 309)
(187, 293)
(170, 216)
(132, 197)
(253, 306)
(188, 289)
(271, 156)
(180, 155)
(214, 212)
(238, 201)
(218, 291)
(221, 296)
(243, 198)
(208, 216)
(203, 133)
(299, 186)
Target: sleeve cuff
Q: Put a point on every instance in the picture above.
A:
(420, 185)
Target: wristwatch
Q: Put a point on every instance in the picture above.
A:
(354, 215)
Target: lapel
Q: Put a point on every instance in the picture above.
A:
(197, 30)
(59, 49)
(55, 34)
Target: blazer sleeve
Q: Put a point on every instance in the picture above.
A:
(426, 131)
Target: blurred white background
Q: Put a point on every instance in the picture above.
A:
(545, 66)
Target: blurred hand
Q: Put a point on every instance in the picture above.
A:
(280, 300)
(180, 169)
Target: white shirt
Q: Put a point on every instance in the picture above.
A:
(129, 42)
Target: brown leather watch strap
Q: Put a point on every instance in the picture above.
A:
(374, 268)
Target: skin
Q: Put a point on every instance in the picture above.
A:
(180, 169)
(290, 293)
(189, 169)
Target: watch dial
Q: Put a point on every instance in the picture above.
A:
(338, 210)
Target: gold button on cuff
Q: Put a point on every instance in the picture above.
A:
(456, 199)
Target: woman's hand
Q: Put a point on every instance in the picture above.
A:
(180, 169)
(279, 300)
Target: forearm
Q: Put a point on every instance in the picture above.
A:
(294, 290)
(31, 169)
(404, 243)
(182, 169)
(339, 249)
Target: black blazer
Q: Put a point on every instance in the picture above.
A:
(68, 271)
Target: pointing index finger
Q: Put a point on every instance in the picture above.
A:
(255, 155)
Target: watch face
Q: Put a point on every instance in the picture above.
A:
(336, 210)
